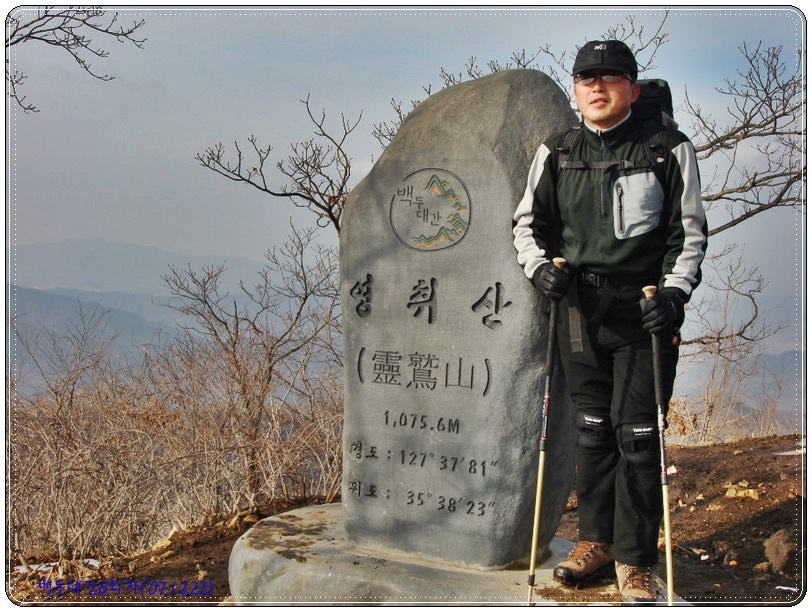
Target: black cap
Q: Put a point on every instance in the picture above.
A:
(607, 54)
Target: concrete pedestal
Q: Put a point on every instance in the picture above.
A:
(302, 558)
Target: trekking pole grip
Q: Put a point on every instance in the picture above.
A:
(558, 262)
(649, 292)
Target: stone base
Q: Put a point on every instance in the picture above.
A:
(301, 558)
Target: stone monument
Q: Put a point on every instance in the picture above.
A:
(444, 345)
(445, 338)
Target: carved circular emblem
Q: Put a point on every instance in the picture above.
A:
(430, 210)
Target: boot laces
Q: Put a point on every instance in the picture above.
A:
(584, 552)
(637, 578)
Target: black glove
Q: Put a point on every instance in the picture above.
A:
(552, 281)
(664, 312)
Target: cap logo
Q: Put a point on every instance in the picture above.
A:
(600, 47)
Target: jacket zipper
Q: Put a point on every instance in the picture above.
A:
(620, 222)
(603, 179)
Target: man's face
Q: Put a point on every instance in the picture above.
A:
(603, 104)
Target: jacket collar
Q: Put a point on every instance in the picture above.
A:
(610, 136)
(607, 130)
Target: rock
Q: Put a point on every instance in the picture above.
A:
(445, 338)
(781, 549)
(739, 491)
(161, 544)
(233, 522)
(162, 556)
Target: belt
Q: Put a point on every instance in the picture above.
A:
(620, 283)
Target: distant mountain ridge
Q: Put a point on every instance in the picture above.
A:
(108, 266)
(152, 308)
(35, 312)
(48, 285)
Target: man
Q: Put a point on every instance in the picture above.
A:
(619, 199)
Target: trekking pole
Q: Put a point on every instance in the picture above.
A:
(659, 395)
(548, 373)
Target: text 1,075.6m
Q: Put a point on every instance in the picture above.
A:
(421, 421)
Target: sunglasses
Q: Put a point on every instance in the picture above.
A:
(588, 79)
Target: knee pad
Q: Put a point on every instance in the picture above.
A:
(640, 444)
(594, 431)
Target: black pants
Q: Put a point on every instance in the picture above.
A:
(607, 360)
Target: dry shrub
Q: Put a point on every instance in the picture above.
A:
(138, 453)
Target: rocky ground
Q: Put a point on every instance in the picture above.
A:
(737, 515)
(727, 502)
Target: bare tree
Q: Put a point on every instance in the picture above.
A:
(65, 362)
(71, 29)
(72, 434)
(729, 321)
(753, 162)
(317, 171)
(722, 398)
(758, 153)
(294, 301)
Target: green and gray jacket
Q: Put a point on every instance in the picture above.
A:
(616, 210)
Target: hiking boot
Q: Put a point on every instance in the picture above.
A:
(586, 561)
(636, 584)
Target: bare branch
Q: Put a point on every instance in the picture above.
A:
(731, 323)
(317, 170)
(70, 29)
(758, 153)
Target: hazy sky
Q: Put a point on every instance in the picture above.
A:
(116, 160)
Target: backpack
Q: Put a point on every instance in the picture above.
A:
(654, 105)
(655, 95)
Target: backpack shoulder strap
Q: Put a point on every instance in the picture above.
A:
(652, 136)
(565, 147)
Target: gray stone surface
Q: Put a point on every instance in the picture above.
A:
(302, 558)
(445, 338)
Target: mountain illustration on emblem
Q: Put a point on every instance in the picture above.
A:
(456, 224)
